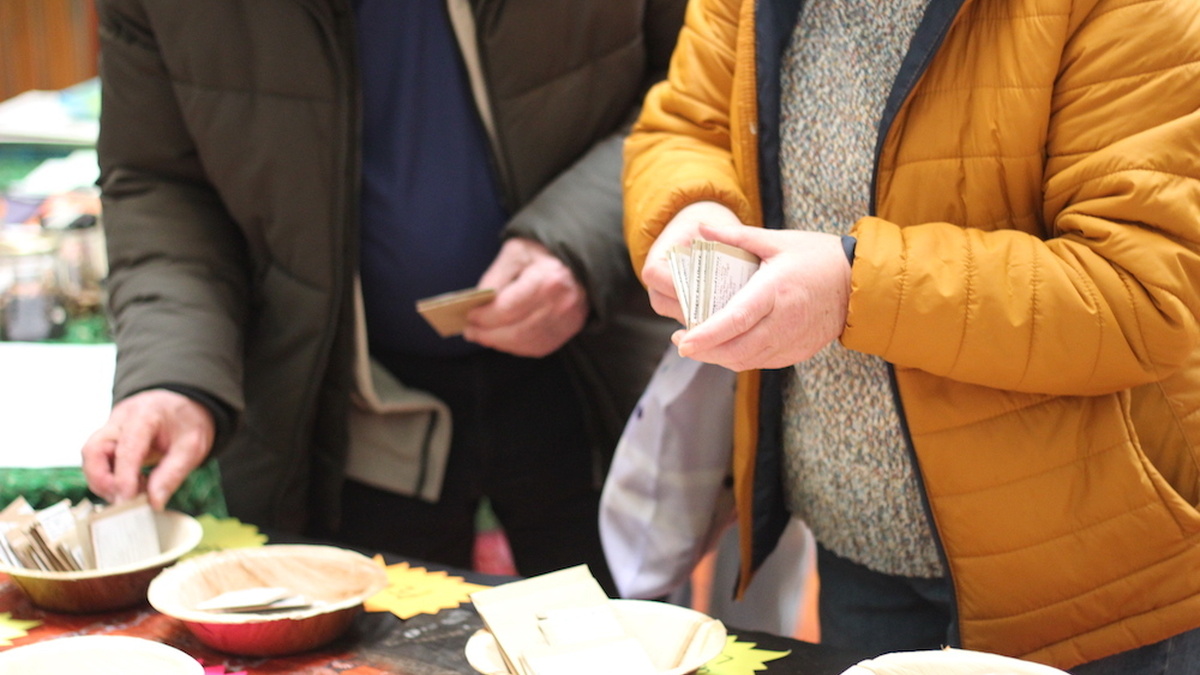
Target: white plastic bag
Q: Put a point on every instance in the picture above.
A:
(668, 495)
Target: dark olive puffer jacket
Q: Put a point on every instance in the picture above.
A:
(229, 170)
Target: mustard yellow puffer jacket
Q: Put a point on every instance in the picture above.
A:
(1031, 269)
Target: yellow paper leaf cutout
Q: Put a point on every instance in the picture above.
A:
(223, 533)
(415, 590)
(11, 629)
(739, 658)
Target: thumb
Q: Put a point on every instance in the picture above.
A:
(750, 239)
(508, 265)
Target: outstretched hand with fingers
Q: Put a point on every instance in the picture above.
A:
(157, 428)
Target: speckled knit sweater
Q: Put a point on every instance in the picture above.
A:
(849, 475)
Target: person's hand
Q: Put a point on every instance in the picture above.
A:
(792, 307)
(539, 304)
(683, 228)
(157, 428)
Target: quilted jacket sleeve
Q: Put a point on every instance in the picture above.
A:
(1091, 287)
(577, 215)
(680, 148)
(177, 285)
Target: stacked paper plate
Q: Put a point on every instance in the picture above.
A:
(949, 662)
(98, 655)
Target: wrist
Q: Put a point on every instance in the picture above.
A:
(849, 243)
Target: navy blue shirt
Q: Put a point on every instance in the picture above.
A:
(430, 207)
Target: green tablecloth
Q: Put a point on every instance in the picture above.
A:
(200, 493)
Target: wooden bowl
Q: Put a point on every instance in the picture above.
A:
(335, 579)
(111, 588)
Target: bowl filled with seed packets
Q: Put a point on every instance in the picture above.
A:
(85, 557)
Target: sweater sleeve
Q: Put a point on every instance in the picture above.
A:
(578, 215)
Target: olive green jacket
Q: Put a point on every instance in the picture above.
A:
(229, 152)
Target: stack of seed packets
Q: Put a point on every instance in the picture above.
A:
(706, 274)
(560, 623)
(69, 538)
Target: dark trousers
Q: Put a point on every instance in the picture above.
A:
(869, 611)
(518, 439)
(877, 613)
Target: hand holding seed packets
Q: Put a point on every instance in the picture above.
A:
(707, 274)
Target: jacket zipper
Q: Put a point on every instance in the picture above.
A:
(939, 16)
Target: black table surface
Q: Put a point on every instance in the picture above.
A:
(435, 644)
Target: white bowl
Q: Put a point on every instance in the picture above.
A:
(110, 588)
(98, 655)
(664, 630)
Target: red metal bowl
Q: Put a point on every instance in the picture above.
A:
(275, 637)
(337, 580)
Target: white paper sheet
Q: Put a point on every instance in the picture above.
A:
(52, 397)
(40, 116)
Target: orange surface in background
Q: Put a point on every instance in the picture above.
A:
(46, 44)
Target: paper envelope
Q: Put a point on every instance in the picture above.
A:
(447, 313)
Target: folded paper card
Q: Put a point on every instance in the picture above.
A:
(447, 313)
(629, 637)
(513, 611)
